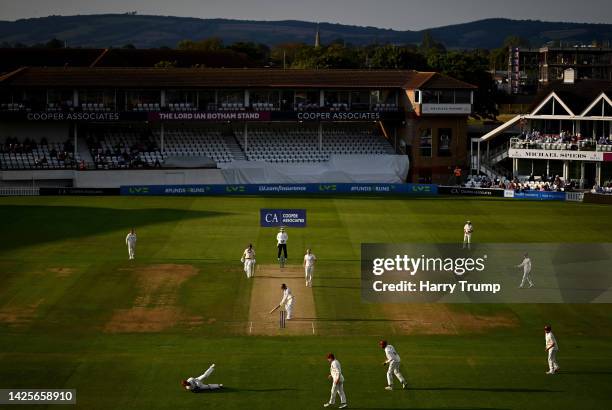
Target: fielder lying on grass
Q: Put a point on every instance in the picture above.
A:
(194, 384)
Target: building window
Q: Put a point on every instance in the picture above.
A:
(445, 138)
(425, 142)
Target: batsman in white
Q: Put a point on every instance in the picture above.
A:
(393, 360)
(194, 384)
(248, 258)
(551, 348)
(526, 265)
(335, 375)
(287, 301)
(467, 234)
(309, 262)
(130, 241)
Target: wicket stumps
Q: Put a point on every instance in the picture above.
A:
(281, 261)
(282, 318)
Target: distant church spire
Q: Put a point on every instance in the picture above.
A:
(318, 37)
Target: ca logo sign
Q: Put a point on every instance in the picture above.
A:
(239, 188)
(327, 187)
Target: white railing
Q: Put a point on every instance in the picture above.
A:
(19, 191)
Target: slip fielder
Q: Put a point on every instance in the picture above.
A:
(467, 234)
(194, 384)
(309, 262)
(130, 241)
(335, 374)
(248, 258)
(393, 361)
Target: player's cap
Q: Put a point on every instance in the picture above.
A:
(185, 383)
(469, 222)
(382, 343)
(331, 356)
(547, 328)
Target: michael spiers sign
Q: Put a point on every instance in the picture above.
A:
(283, 217)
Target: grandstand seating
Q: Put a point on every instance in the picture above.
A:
(146, 107)
(181, 107)
(208, 142)
(13, 107)
(133, 147)
(38, 157)
(302, 144)
(385, 107)
(231, 107)
(124, 148)
(94, 107)
(264, 107)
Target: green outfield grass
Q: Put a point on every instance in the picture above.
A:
(64, 274)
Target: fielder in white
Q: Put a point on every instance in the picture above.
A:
(309, 262)
(130, 241)
(335, 374)
(467, 234)
(526, 265)
(287, 301)
(248, 258)
(393, 360)
(551, 348)
(194, 384)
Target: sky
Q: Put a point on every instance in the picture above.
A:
(395, 14)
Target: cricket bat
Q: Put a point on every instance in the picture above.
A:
(272, 311)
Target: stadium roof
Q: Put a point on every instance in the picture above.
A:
(13, 58)
(577, 96)
(584, 100)
(226, 78)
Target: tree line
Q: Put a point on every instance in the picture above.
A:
(474, 66)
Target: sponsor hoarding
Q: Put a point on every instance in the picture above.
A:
(281, 189)
(282, 217)
(558, 155)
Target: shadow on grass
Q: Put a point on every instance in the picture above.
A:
(33, 224)
(489, 389)
(237, 390)
(432, 408)
(336, 287)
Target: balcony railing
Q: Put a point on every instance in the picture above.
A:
(557, 143)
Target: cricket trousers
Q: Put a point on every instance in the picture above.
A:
(552, 360)
(394, 369)
(526, 278)
(282, 247)
(308, 270)
(339, 390)
(249, 267)
(132, 251)
(289, 308)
